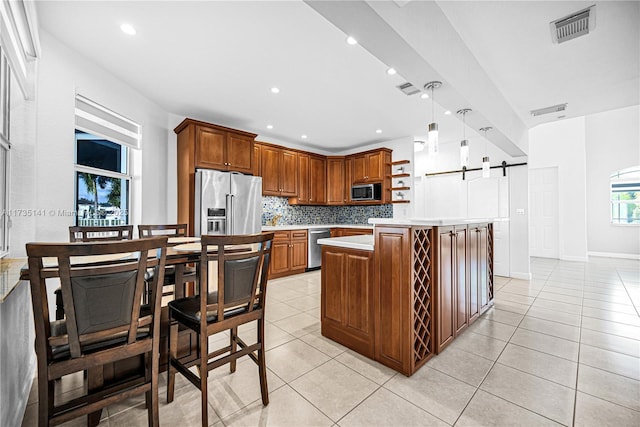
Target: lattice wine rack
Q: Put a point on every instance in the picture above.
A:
(423, 345)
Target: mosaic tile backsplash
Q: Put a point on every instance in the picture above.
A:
(293, 215)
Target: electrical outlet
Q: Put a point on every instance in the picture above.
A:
(520, 211)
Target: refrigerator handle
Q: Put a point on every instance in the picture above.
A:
(228, 215)
(233, 215)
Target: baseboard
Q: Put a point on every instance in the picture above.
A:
(614, 255)
(575, 258)
(522, 276)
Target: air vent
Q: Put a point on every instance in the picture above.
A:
(408, 89)
(572, 26)
(547, 110)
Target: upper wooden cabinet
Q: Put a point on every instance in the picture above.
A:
(278, 168)
(312, 179)
(370, 166)
(216, 147)
(208, 146)
(336, 179)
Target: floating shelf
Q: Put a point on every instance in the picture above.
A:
(399, 188)
(401, 201)
(400, 162)
(401, 175)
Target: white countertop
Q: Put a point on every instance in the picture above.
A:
(363, 242)
(432, 221)
(314, 226)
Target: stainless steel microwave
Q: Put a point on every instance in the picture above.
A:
(366, 192)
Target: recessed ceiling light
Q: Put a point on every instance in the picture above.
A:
(447, 113)
(424, 96)
(351, 40)
(275, 90)
(378, 130)
(391, 71)
(269, 126)
(304, 137)
(128, 29)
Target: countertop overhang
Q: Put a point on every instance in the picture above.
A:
(362, 242)
(435, 222)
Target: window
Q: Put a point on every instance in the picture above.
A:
(5, 145)
(104, 141)
(625, 196)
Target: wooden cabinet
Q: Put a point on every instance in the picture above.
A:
(257, 160)
(369, 166)
(279, 171)
(347, 310)
(288, 253)
(480, 287)
(336, 194)
(209, 146)
(312, 180)
(346, 231)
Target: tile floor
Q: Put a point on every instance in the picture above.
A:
(561, 349)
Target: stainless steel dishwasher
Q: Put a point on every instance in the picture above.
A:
(315, 250)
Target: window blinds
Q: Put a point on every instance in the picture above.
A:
(95, 119)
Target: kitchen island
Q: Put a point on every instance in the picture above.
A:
(404, 294)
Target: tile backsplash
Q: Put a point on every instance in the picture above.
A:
(292, 214)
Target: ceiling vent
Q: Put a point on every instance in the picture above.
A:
(572, 26)
(548, 110)
(408, 89)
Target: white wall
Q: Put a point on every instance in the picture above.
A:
(61, 73)
(612, 143)
(562, 144)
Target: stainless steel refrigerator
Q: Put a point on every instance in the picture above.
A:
(227, 203)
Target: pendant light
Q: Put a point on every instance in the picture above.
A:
(486, 164)
(464, 144)
(432, 140)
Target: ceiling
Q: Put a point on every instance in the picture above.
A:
(216, 61)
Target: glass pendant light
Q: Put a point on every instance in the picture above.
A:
(464, 144)
(486, 164)
(432, 136)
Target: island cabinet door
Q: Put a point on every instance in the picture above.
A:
(347, 298)
(393, 298)
(446, 307)
(461, 279)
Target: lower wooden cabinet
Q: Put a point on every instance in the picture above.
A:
(347, 298)
(341, 232)
(288, 253)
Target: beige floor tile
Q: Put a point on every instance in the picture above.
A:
(286, 408)
(435, 392)
(523, 290)
(282, 294)
(611, 306)
(229, 392)
(502, 316)
(560, 330)
(334, 389)
(608, 327)
(562, 307)
(276, 310)
(314, 312)
(594, 412)
(616, 343)
(511, 306)
(293, 359)
(488, 410)
(611, 361)
(505, 295)
(298, 325)
(273, 336)
(555, 316)
(461, 365)
(550, 289)
(613, 316)
(618, 290)
(543, 397)
(569, 299)
(325, 345)
(376, 372)
(616, 299)
(384, 409)
(304, 303)
(546, 343)
(543, 365)
(561, 285)
(481, 345)
(612, 387)
(492, 329)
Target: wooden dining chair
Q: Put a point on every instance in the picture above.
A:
(102, 286)
(189, 273)
(101, 233)
(237, 297)
(92, 234)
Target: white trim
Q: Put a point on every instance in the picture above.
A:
(574, 258)
(519, 275)
(613, 255)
